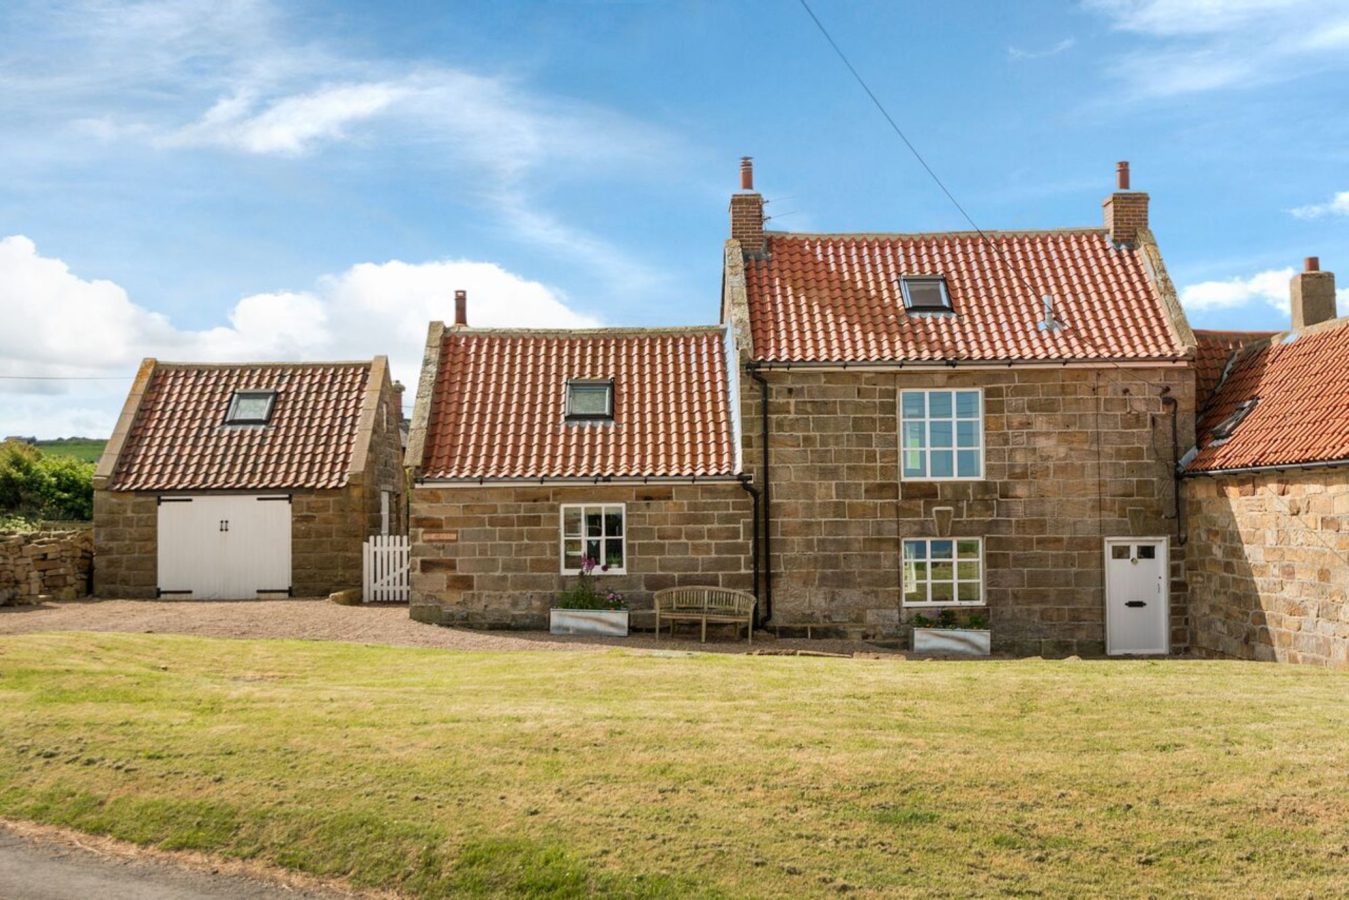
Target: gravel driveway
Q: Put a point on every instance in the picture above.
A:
(320, 620)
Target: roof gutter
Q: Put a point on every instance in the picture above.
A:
(976, 364)
(586, 480)
(1255, 470)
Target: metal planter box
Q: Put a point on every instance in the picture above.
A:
(605, 622)
(954, 641)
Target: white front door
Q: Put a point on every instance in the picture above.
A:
(224, 546)
(1137, 602)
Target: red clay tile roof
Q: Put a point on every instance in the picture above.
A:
(1302, 414)
(1214, 349)
(498, 405)
(836, 298)
(179, 442)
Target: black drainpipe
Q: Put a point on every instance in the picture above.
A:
(754, 373)
(1169, 401)
(754, 540)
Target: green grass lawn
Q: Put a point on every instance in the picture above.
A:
(568, 773)
(83, 449)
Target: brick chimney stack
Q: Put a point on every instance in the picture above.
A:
(747, 212)
(1312, 293)
(1126, 211)
(461, 309)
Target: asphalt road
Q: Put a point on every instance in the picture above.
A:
(51, 869)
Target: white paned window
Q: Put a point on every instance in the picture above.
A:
(941, 435)
(943, 571)
(595, 531)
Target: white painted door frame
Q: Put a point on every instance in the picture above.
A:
(1135, 588)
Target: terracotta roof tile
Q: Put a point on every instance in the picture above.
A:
(498, 405)
(836, 298)
(1301, 384)
(178, 440)
(1214, 349)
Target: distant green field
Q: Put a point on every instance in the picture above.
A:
(86, 449)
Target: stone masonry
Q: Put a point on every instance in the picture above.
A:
(41, 564)
(490, 556)
(1269, 566)
(1073, 456)
(327, 526)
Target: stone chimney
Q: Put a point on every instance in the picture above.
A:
(461, 309)
(1312, 293)
(747, 211)
(1126, 211)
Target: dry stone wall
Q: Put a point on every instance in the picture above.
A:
(45, 564)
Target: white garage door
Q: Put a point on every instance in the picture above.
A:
(224, 546)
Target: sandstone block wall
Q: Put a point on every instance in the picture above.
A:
(326, 533)
(327, 530)
(45, 563)
(126, 546)
(1072, 456)
(491, 556)
(1269, 566)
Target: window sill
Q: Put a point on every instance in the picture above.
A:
(916, 478)
(944, 605)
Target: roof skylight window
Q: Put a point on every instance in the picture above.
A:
(250, 408)
(1223, 430)
(590, 400)
(925, 293)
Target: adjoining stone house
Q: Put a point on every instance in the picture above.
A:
(532, 449)
(1267, 489)
(975, 421)
(238, 481)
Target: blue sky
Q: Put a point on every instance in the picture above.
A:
(278, 180)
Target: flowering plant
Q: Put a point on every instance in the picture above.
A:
(585, 595)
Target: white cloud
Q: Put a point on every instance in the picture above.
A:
(1202, 45)
(245, 78)
(1269, 287)
(1017, 54)
(55, 323)
(1337, 205)
(290, 126)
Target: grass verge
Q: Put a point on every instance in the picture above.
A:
(569, 774)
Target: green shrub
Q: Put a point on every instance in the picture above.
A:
(36, 486)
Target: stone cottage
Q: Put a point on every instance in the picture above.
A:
(979, 421)
(1267, 489)
(530, 450)
(245, 480)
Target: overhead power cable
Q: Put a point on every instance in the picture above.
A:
(1015, 273)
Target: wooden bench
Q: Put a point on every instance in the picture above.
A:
(705, 604)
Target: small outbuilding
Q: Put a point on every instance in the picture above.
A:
(246, 480)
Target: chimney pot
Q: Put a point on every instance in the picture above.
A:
(747, 218)
(1126, 211)
(461, 309)
(1311, 264)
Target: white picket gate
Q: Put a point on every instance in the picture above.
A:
(386, 562)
